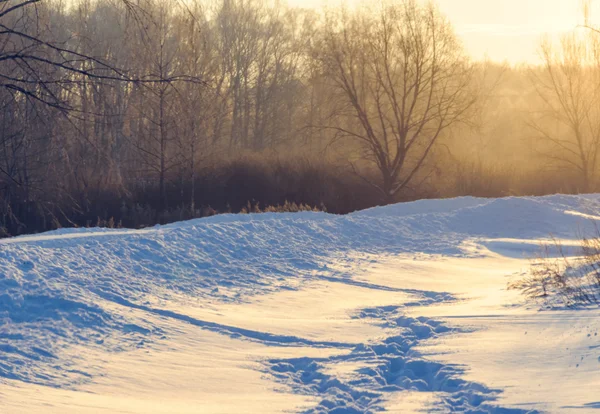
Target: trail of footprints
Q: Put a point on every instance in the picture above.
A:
(391, 365)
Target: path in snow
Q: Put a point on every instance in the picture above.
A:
(306, 312)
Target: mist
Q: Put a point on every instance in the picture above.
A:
(128, 114)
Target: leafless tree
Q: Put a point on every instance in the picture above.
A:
(569, 88)
(128, 108)
(403, 80)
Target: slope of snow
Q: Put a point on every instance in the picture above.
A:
(401, 308)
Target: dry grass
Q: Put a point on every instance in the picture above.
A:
(561, 280)
(260, 183)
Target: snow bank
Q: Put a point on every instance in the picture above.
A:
(66, 288)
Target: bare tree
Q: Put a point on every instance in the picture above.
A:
(404, 81)
(33, 57)
(195, 103)
(569, 89)
(34, 60)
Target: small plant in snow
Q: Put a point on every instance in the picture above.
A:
(287, 207)
(563, 281)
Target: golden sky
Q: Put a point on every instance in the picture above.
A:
(501, 29)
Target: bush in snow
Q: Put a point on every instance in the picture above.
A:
(562, 280)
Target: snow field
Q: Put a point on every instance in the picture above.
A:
(401, 308)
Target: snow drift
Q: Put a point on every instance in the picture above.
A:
(116, 292)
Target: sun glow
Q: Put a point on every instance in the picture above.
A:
(501, 30)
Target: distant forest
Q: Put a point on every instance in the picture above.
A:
(131, 113)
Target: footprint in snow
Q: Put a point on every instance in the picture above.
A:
(27, 266)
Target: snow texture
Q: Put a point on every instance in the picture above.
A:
(70, 295)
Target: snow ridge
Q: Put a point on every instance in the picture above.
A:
(68, 288)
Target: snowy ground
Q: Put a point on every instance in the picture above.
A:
(401, 308)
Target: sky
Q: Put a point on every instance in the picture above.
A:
(502, 30)
(510, 29)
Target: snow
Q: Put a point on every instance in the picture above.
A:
(402, 308)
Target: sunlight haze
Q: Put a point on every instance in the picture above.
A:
(500, 29)
(299, 206)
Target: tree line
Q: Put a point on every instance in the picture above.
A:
(119, 112)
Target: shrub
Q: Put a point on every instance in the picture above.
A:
(287, 207)
(563, 281)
